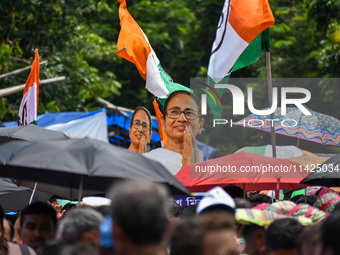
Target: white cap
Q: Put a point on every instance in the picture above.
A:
(96, 201)
(216, 196)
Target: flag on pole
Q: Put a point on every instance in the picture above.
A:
(238, 40)
(28, 110)
(134, 46)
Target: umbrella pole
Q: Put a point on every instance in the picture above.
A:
(277, 191)
(270, 100)
(33, 192)
(244, 191)
(80, 191)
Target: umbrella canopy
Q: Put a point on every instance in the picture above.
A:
(244, 169)
(286, 151)
(247, 216)
(327, 174)
(317, 127)
(62, 167)
(30, 132)
(14, 197)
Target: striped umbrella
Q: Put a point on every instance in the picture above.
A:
(317, 127)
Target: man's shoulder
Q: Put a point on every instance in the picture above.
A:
(15, 249)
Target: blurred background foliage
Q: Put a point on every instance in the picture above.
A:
(78, 38)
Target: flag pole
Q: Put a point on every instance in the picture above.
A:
(266, 42)
(270, 100)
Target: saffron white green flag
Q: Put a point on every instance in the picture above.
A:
(238, 41)
(134, 46)
(28, 110)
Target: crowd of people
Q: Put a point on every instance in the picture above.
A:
(144, 219)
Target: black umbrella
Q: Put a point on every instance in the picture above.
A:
(88, 165)
(30, 132)
(14, 197)
(327, 174)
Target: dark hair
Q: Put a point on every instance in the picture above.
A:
(296, 198)
(248, 231)
(330, 231)
(283, 234)
(39, 208)
(174, 208)
(188, 235)
(242, 203)
(234, 191)
(309, 200)
(188, 211)
(258, 198)
(141, 209)
(147, 113)
(219, 208)
(179, 92)
(310, 237)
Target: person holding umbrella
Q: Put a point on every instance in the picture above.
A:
(182, 121)
(140, 130)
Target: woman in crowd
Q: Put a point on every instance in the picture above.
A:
(140, 130)
(182, 121)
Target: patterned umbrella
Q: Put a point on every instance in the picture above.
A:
(317, 127)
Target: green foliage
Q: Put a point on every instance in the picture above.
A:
(70, 36)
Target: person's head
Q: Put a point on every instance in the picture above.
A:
(216, 198)
(37, 224)
(174, 208)
(140, 213)
(310, 240)
(203, 236)
(188, 211)
(282, 237)
(218, 203)
(258, 198)
(242, 203)
(308, 200)
(254, 236)
(330, 232)
(182, 108)
(219, 236)
(234, 191)
(141, 125)
(81, 225)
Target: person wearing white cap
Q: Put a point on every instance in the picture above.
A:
(217, 203)
(216, 199)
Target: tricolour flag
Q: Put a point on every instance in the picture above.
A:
(239, 40)
(134, 46)
(28, 110)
